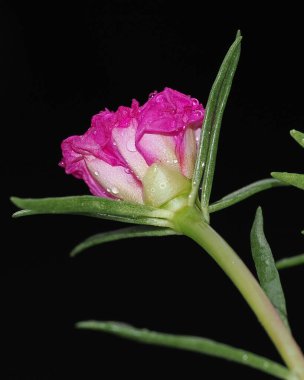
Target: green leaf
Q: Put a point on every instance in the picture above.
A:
(123, 233)
(212, 123)
(95, 207)
(289, 262)
(266, 269)
(298, 136)
(293, 179)
(189, 343)
(244, 193)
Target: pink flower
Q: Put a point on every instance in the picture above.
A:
(114, 155)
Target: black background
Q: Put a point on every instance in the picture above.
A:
(60, 64)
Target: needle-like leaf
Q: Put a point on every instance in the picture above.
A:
(96, 207)
(123, 233)
(265, 265)
(189, 343)
(244, 193)
(211, 126)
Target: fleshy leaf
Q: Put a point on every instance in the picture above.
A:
(298, 136)
(96, 207)
(265, 265)
(189, 343)
(244, 193)
(293, 179)
(123, 233)
(289, 262)
(212, 123)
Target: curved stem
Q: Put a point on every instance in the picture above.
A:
(189, 221)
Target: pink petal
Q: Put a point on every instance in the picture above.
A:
(124, 138)
(158, 149)
(187, 153)
(116, 180)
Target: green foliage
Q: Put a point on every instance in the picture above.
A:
(265, 265)
(205, 163)
(95, 207)
(189, 343)
(123, 233)
(290, 262)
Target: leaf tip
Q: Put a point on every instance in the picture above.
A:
(292, 132)
(15, 200)
(276, 175)
(21, 213)
(238, 33)
(259, 213)
(74, 252)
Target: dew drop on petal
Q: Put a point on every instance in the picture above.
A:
(115, 190)
(175, 161)
(198, 113)
(195, 102)
(152, 94)
(159, 98)
(96, 173)
(131, 145)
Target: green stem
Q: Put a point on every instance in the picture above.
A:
(189, 221)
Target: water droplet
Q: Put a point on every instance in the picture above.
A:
(245, 357)
(198, 113)
(131, 145)
(197, 138)
(152, 94)
(61, 163)
(96, 173)
(194, 183)
(114, 143)
(159, 98)
(175, 161)
(162, 185)
(127, 170)
(115, 190)
(108, 190)
(195, 102)
(152, 190)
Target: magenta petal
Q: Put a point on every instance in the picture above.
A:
(117, 150)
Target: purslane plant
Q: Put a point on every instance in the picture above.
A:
(153, 166)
